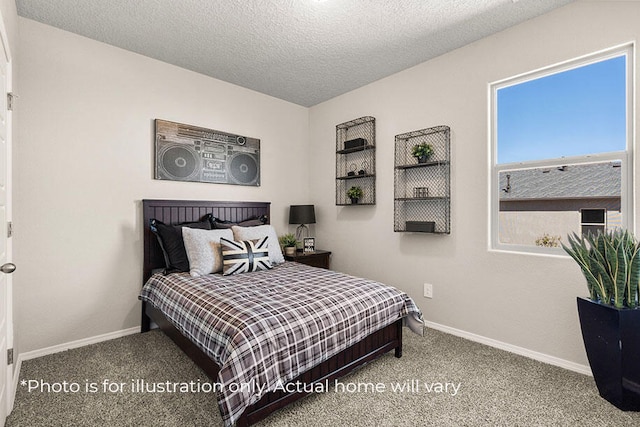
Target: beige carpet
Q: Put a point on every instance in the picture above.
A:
(486, 387)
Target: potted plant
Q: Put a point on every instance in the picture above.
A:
(422, 152)
(354, 193)
(288, 242)
(610, 318)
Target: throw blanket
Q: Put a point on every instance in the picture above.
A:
(265, 328)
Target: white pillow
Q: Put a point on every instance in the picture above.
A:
(203, 249)
(258, 232)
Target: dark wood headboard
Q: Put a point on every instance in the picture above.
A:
(177, 211)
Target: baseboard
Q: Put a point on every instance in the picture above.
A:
(59, 348)
(75, 344)
(540, 357)
(14, 386)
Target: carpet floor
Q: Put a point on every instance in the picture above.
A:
(448, 381)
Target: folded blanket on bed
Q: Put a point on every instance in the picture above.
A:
(265, 328)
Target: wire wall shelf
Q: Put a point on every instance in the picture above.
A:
(422, 187)
(356, 161)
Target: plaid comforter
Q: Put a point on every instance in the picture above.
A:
(268, 327)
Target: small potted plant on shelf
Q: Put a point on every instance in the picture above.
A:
(354, 193)
(422, 152)
(288, 242)
(610, 317)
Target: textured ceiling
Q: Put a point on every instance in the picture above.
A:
(302, 51)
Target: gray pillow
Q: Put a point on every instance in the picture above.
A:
(254, 233)
(203, 250)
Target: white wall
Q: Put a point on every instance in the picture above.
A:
(523, 300)
(10, 17)
(85, 160)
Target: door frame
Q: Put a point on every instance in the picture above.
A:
(13, 369)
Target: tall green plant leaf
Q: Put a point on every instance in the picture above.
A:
(604, 280)
(611, 256)
(633, 282)
(621, 274)
(597, 246)
(601, 267)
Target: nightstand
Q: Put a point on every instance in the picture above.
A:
(315, 259)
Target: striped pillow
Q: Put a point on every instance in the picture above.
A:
(244, 256)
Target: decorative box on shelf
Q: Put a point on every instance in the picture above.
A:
(355, 143)
(421, 226)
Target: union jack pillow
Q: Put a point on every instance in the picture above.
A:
(245, 256)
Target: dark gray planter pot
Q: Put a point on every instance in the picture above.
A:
(612, 340)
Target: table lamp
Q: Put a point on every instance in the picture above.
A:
(302, 215)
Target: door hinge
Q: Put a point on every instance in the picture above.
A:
(10, 100)
(10, 356)
(9, 229)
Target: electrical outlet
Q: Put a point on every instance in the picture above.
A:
(428, 290)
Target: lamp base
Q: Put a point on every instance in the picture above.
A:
(301, 232)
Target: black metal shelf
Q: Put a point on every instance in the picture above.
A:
(422, 191)
(355, 160)
(356, 176)
(423, 165)
(356, 149)
(419, 199)
(426, 232)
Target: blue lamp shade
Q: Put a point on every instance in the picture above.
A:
(302, 214)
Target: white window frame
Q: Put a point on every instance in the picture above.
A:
(627, 203)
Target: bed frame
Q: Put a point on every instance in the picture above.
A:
(175, 211)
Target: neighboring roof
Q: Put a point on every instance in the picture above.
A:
(595, 180)
(302, 51)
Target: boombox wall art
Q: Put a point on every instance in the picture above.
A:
(191, 153)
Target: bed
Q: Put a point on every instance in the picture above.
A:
(360, 350)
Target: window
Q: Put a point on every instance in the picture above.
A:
(593, 220)
(561, 152)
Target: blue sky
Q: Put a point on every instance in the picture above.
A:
(573, 113)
